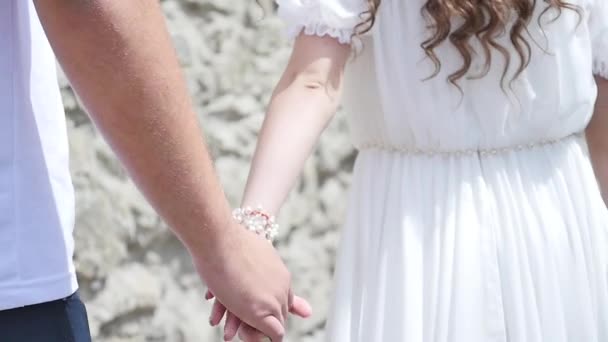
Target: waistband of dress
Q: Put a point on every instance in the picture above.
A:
(482, 152)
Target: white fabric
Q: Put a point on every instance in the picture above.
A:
(599, 30)
(36, 194)
(470, 248)
(334, 18)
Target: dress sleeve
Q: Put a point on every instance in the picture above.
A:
(335, 18)
(598, 25)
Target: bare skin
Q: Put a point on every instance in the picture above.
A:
(120, 61)
(597, 137)
(303, 103)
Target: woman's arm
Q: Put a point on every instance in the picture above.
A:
(302, 105)
(597, 137)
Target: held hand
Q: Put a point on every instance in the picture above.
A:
(247, 276)
(246, 333)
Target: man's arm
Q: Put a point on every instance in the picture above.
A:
(597, 137)
(120, 61)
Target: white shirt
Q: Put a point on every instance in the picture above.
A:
(36, 192)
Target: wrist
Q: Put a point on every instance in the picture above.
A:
(212, 252)
(257, 220)
(208, 237)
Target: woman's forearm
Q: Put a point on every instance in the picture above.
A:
(597, 137)
(301, 107)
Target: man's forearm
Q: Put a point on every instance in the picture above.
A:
(597, 138)
(120, 61)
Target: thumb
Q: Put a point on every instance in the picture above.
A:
(300, 307)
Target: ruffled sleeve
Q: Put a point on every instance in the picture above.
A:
(335, 18)
(598, 25)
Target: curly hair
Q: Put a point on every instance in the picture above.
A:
(484, 20)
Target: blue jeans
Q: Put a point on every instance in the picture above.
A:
(63, 320)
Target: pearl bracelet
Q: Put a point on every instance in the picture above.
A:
(257, 221)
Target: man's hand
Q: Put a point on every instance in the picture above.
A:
(242, 267)
(247, 333)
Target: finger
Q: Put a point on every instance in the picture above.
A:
(271, 326)
(217, 313)
(290, 298)
(249, 334)
(286, 309)
(231, 327)
(209, 295)
(300, 307)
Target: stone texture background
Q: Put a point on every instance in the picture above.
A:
(136, 278)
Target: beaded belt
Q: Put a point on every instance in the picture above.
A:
(465, 152)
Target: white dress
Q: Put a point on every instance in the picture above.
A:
(473, 218)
